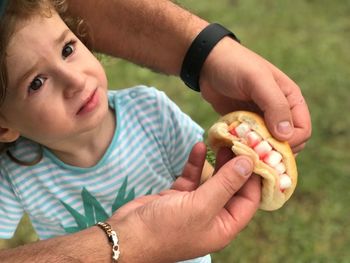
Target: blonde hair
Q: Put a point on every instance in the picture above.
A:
(17, 10)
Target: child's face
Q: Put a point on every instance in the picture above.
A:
(57, 88)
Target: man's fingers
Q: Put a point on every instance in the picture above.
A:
(286, 114)
(244, 204)
(299, 109)
(190, 178)
(223, 156)
(219, 189)
(301, 121)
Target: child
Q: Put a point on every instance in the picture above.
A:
(76, 152)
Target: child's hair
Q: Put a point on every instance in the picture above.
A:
(17, 10)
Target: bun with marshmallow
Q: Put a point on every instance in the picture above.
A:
(246, 134)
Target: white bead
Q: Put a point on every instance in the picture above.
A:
(280, 168)
(272, 158)
(262, 148)
(242, 129)
(253, 139)
(285, 181)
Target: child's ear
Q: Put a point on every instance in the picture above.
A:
(8, 135)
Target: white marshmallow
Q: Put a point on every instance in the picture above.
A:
(242, 129)
(280, 168)
(272, 158)
(253, 139)
(262, 148)
(285, 181)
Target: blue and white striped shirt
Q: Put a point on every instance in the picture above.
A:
(148, 151)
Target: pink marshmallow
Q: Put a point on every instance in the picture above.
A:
(272, 158)
(262, 148)
(233, 132)
(253, 139)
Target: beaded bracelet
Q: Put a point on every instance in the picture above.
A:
(112, 237)
(199, 51)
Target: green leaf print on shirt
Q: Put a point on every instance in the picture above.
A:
(94, 212)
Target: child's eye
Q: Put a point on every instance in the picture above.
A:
(68, 49)
(36, 84)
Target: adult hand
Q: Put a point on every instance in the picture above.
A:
(185, 222)
(235, 78)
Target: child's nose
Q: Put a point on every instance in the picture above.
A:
(75, 83)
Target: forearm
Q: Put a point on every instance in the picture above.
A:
(154, 33)
(92, 245)
(89, 245)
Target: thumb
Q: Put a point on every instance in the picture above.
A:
(274, 104)
(219, 189)
(279, 122)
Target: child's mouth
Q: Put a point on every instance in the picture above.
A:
(89, 104)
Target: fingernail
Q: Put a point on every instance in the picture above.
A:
(243, 167)
(284, 127)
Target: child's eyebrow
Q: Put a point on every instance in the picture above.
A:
(26, 74)
(62, 37)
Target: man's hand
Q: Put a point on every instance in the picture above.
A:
(235, 78)
(186, 222)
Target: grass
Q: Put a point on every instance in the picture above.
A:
(309, 40)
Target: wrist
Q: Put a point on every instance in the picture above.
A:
(142, 242)
(199, 51)
(136, 244)
(112, 238)
(215, 64)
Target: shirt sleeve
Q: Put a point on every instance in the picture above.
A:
(11, 210)
(179, 133)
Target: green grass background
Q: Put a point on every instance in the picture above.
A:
(310, 41)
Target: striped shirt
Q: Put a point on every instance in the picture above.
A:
(148, 151)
